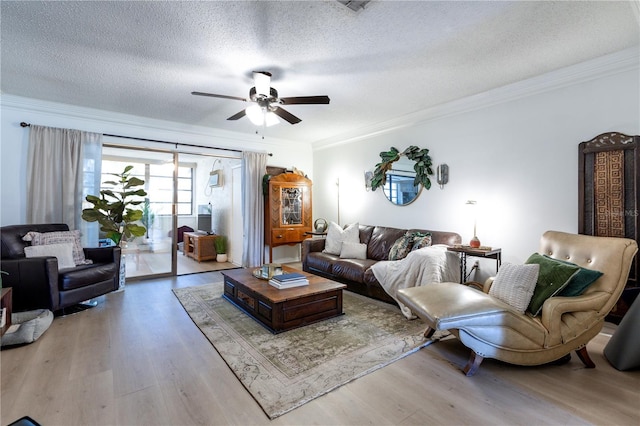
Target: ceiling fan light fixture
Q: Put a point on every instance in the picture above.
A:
(255, 114)
(270, 119)
(261, 116)
(262, 81)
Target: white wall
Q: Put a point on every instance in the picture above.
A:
(14, 142)
(518, 159)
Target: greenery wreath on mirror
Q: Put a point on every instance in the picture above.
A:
(422, 166)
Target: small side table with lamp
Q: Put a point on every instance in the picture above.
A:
(484, 252)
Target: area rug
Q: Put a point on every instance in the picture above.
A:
(287, 370)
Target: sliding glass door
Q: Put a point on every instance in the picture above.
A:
(186, 192)
(151, 254)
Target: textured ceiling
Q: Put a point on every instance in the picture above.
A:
(388, 60)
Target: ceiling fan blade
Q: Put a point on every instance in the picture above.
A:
(262, 80)
(305, 100)
(238, 115)
(219, 96)
(286, 115)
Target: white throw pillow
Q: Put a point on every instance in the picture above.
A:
(514, 285)
(336, 236)
(59, 237)
(63, 252)
(353, 250)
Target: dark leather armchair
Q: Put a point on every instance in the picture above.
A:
(38, 284)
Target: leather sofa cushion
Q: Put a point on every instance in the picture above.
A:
(365, 233)
(351, 269)
(381, 241)
(321, 261)
(84, 275)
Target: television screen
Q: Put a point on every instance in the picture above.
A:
(204, 223)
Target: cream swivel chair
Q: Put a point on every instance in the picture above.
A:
(494, 329)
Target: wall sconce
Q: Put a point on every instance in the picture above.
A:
(475, 242)
(368, 177)
(442, 175)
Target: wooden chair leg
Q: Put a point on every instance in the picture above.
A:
(473, 364)
(584, 357)
(429, 332)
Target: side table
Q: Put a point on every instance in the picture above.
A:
(6, 305)
(199, 246)
(465, 251)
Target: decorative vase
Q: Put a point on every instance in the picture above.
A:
(221, 257)
(123, 268)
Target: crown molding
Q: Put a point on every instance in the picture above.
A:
(611, 64)
(136, 126)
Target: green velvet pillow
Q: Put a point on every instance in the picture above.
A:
(553, 277)
(579, 283)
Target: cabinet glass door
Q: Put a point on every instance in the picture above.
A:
(291, 206)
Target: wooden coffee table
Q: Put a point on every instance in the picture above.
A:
(282, 310)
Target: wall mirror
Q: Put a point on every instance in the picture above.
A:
(402, 175)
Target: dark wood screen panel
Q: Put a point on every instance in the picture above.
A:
(608, 198)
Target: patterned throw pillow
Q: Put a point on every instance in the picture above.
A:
(336, 236)
(59, 237)
(554, 276)
(421, 240)
(401, 248)
(514, 285)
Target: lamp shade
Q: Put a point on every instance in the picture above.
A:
(255, 114)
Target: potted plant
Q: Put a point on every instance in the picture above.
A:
(220, 243)
(112, 209)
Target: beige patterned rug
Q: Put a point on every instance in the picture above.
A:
(289, 369)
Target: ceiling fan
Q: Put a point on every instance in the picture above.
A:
(267, 104)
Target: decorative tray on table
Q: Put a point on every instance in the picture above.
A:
(266, 272)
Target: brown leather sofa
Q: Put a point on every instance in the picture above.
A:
(38, 283)
(356, 273)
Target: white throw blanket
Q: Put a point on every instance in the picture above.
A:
(432, 264)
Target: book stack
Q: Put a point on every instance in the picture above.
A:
(293, 279)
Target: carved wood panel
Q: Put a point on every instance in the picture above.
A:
(608, 198)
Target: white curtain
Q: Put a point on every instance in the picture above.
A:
(254, 167)
(63, 166)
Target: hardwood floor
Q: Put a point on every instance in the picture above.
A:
(138, 359)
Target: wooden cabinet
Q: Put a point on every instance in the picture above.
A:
(199, 246)
(288, 212)
(609, 187)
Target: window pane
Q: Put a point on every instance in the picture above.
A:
(184, 209)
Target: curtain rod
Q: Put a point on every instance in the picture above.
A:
(23, 124)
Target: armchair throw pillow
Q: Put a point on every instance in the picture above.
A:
(514, 285)
(554, 276)
(336, 236)
(63, 252)
(579, 282)
(59, 237)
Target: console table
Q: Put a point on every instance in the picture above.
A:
(199, 246)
